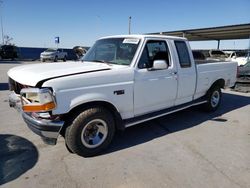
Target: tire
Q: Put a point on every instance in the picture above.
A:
(65, 59)
(213, 98)
(90, 132)
(66, 133)
(56, 59)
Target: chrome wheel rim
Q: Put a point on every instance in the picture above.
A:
(94, 133)
(215, 99)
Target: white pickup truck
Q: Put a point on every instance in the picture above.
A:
(122, 81)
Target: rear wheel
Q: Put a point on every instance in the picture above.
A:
(213, 98)
(90, 132)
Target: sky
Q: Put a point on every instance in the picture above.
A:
(34, 23)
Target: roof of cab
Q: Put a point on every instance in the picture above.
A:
(145, 36)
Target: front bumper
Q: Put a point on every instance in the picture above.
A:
(49, 58)
(48, 129)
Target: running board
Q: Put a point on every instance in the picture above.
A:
(146, 117)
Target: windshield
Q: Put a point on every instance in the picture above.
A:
(50, 50)
(118, 51)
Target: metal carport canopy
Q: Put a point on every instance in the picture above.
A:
(241, 31)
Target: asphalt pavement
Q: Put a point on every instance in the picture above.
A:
(190, 148)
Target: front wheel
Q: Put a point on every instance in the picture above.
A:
(65, 59)
(56, 59)
(213, 99)
(90, 132)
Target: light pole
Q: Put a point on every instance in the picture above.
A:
(129, 25)
(1, 3)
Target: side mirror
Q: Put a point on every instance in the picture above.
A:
(159, 65)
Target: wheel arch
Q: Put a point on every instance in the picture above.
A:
(219, 82)
(110, 107)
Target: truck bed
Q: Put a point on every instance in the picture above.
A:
(208, 71)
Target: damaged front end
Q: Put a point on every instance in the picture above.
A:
(36, 105)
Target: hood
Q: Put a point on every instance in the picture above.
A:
(47, 53)
(32, 74)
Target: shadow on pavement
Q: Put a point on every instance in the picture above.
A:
(17, 155)
(175, 122)
(4, 86)
(10, 62)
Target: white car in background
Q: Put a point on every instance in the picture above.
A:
(240, 57)
(53, 55)
(217, 55)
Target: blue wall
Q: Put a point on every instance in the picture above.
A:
(27, 53)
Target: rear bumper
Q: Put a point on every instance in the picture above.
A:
(47, 58)
(48, 129)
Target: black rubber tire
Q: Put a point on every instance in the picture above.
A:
(66, 133)
(56, 59)
(209, 107)
(65, 59)
(73, 132)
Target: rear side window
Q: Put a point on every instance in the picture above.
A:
(183, 54)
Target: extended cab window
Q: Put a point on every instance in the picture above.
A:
(183, 54)
(154, 50)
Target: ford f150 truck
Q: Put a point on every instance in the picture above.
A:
(121, 81)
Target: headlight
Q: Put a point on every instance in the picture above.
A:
(37, 100)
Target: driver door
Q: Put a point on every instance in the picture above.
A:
(154, 89)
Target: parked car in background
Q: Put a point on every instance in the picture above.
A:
(217, 55)
(241, 57)
(244, 71)
(211, 55)
(8, 52)
(53, 55)
(243, 78)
